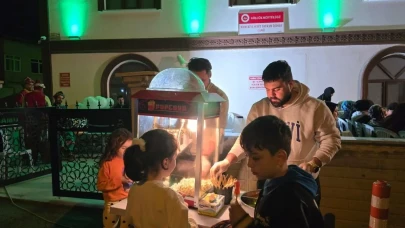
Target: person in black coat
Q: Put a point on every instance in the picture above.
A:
(288, 196)
(396, 121)
(121, 102)
(391, 107)
(327, 94)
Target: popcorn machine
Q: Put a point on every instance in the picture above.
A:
(177, 101)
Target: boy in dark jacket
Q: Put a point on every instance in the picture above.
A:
(287, 200)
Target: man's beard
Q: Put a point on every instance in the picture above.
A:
(281, 102)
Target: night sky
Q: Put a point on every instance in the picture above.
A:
(20, 19)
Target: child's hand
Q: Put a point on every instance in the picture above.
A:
(236, 212)
(126, 180)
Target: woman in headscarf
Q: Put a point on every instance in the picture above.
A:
(333, 109)
(327, 94)
(348, 108)
(376, 113)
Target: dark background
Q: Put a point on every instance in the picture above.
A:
(20, 19)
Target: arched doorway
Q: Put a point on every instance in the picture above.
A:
(384, 77)
(113, 86)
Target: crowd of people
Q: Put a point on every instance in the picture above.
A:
(365, 111)
(33, 96)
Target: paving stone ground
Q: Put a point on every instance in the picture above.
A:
(68, 216)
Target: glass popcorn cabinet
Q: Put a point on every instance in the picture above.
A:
(177, 101)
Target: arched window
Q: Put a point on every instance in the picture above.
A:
(384, 77)
(112, 86)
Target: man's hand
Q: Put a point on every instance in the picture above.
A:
(236, 213)
(220, 167)
(306, 167)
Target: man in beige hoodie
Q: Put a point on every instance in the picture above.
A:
(315, 138)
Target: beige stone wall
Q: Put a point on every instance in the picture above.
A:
(346, 182)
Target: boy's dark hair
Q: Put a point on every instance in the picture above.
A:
(120, 96)
(277, 70)
(199, 64)
(266, 132)
(160, 144)
(115, 141)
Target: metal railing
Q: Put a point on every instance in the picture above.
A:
(77, 139)
(24, 144)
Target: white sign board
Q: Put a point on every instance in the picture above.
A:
(261, 22)
(256, 83)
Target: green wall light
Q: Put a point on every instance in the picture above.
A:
(193, 13)
(74, 17)
(328, 20)
(329, 13)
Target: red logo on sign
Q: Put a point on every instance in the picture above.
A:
(261, 17)
(244, 18)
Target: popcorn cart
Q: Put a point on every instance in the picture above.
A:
(177, 101)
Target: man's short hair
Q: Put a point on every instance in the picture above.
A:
(363, 105)
(199, 64)
(120, 96)
(266, 132)
(277, 70)
(59, 93)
